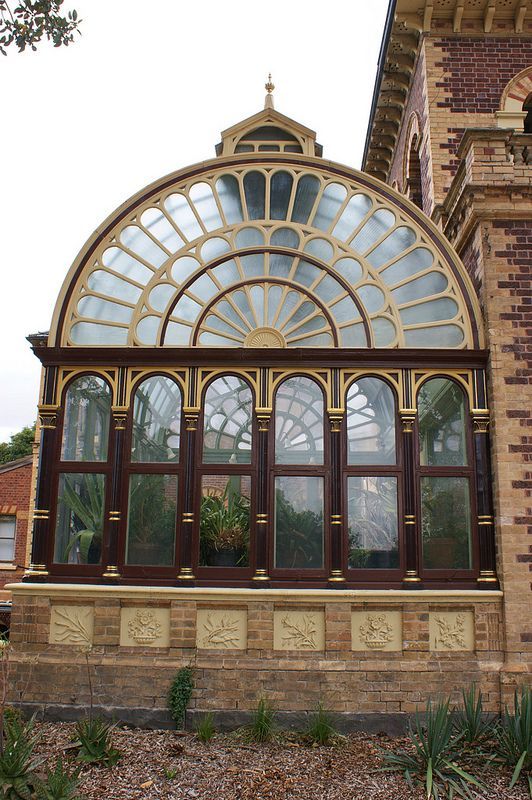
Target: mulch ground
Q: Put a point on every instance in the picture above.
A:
(227, 769)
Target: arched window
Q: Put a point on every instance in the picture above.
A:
(225, 476)
(299, 476)
(372, 476)
(414, 184)
(154, 474)
(446, 487)
(83, 472)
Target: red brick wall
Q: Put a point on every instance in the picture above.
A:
(15, 491)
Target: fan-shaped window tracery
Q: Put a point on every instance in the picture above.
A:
(162, 272)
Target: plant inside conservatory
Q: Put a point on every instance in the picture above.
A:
(224, 529)
(87, 518)
(300, 545)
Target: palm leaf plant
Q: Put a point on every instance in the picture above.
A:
(224, 525)
(87, 507)
(432, 761)
(470, 719)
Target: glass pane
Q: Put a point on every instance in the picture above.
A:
(376, 226)
(298, 522)
(229, 194)
(8, 526)
(106, 283)
(280, 191)
(140, 243)
(307, 190)
(299, 422)
(430, 311)
(96, 333)
(370, 423)
(396, 243)
(202, 196)
(442, 426)
(97, 308)
(416, 261)
(446, 523)
(183, 216)
(254, 188)
(151, 520)
(158, 225)
(285, 237)
(79, 521)
(156, 421)
(432, 283)
(224, 520)
(372, 522)
(352, 216)
(330, 203)
(435, 336)
(86, 423)
(118, 260)
(227, 422)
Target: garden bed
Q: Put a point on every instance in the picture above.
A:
(166, 764)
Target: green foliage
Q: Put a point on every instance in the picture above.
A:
(17, 763)
(470, 720)
(299, 535)
(93, 738)
(514, 738)
(262, 726)
(433, 760)
(170, 773)
(60, 784)
(180, 694)
(224, 525)
(321, 729)
(205, 728)
(21, 443)
(27, 23)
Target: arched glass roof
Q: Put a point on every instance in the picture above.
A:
(268, 251)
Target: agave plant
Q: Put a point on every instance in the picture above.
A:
(434, 756)
(470, 719)
(514, 738)
(17, 764)
(60, 784)
(94, 742)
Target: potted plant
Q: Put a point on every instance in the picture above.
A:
(224, 529)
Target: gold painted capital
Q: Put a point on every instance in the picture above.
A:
(481, 419)
(37, 569)
(41, 513)
(408, 417)
(111, 572)
(263, 419)
(411, 576)
(48, 416)
(336, 576)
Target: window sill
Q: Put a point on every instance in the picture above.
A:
(7, 566)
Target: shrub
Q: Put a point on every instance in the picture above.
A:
(17, 763)
(94, 742)
(433, 760)
(205, 728)
(60, 784)
(514, 738)
(321, 729)
(180, 694)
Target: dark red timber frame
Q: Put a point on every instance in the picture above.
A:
(115, 361)
(465, 576)
(209, 575)
(374, 576)
(130, 468)
(60, 467)
(308, 576)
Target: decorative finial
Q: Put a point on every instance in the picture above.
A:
(269, 86)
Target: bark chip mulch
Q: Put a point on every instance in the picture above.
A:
(166, 764)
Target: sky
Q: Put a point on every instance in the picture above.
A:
(144, 91)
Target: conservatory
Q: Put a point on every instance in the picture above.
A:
(265, 370)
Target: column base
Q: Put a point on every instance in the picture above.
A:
(186, 574)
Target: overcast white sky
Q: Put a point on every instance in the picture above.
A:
(146, 90)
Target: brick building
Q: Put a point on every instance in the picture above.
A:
(272, 389)
(15, 502)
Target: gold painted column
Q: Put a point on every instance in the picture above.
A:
(485, 522)
(262, 492)
(408, 418)
(337, 576)
(42, 529)
(119, 416)
(187, 519)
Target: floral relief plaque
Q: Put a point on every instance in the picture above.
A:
(451, 630)
(221, 629)
(376, 630)
(145, 627)
(298, 630)
(72, 625)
